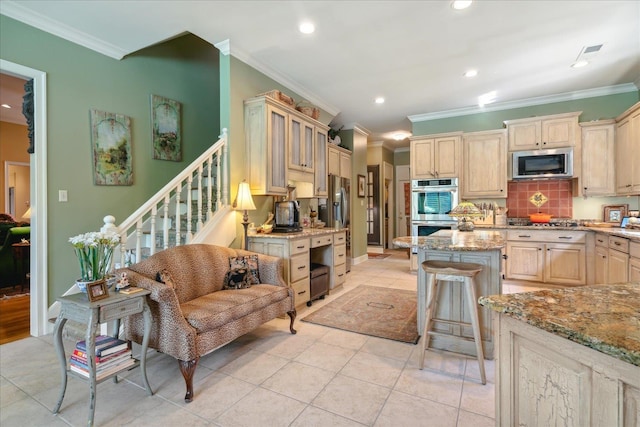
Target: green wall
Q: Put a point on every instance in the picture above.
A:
(78, 80)
(600, 107)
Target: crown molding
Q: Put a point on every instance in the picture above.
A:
(27, 16)
(402, 149)
(224, 47)
(357, 128)
(283, 80)
(549, 99)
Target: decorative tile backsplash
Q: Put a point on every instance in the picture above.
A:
(558, 193)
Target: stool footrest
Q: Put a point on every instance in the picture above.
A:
(442, 334)
(451, 322)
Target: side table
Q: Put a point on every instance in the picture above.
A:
(117, 306)
(21, 253)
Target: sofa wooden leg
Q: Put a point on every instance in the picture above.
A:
(188, 368)
(292, 315)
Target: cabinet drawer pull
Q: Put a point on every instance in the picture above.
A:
(525, 235)
(565, 237)
(617, 243)
(303, 292)
(302, 267)
(340, 275)
(600, 241)
(340, 256)
(300, 247)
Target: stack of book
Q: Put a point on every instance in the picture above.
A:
(112, 356)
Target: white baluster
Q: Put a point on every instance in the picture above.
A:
(199, 198)
(154, 213)
(178, 215)
(189, 205)
(165, 225)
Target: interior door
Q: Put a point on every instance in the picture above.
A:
(373, 205)
(403, 201)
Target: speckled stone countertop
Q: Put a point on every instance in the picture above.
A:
(454, 240)
(306, 232)
(633, 235)
(603, 317)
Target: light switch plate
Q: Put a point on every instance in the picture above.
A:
(62, 195)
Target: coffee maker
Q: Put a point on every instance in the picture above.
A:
(287, 215)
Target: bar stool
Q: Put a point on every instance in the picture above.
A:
(462, 273)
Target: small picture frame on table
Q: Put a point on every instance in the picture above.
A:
(362, 185)
(97, 291)
(613, 214)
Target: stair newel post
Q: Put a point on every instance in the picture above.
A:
(189, 205)
(222, 177)
(152, 243)
(209, 185)
(199, 198)
(165, 224)
(178, 216)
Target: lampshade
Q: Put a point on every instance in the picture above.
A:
(27, 214)
(243, 201)
(465, 210)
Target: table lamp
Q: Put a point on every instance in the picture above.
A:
(27, 214)
(244, 202)
(465, 212)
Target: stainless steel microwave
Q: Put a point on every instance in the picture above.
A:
(538, 164)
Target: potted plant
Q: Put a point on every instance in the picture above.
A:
(334, 138)
(94, 251)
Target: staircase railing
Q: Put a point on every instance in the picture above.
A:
(179, 210)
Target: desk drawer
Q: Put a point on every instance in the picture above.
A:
(121, 309)
(299, 267)
(301, 291)
(602, 240)
(339, 238)
(319, 241)
(340, 275)
(619, 244)
(299, 246)
(339, 254)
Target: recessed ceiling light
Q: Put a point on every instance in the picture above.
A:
(379, 100)
(579, 64)
(487, 98)
(399, 136)
(461, 4)
(6, 106)
(471, 73)
(307, 28)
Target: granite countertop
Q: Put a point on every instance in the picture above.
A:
(306, 232)
(454, 240)
(614, 231)
(603, 317)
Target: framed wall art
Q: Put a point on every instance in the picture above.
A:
(165, 126)
(111, 143)
(362, 185)
(614, 213)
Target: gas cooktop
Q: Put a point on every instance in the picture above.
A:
(560, 222)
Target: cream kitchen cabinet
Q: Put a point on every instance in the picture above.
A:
(339, 259)
(558, 130)
(339, 161)
(280, 145)
(598, 159)
(601, 258)
(321, 166)
(484, 165)
(296, 259)
(634, 261)
(436, 156)
(547, 256)
(618, 267)
(628, 151)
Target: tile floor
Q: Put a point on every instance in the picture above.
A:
(319, 377)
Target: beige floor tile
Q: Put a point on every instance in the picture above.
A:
(439, 387)
(372, 368)
(10, 394)
(261, 408)
(344, 339)
(299, 381)
(351, 398)
(468, 419)
(325, 356)
(388, 348)
(28, 413)
(254, 367)
(439, 361)
(478, 398)
(316, 417)
(288, 346)
(405, 410)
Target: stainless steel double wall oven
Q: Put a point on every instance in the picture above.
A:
(431, 202)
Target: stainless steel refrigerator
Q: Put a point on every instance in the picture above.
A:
(336, 210)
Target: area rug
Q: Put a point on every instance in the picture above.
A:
(372, 310)
(377, 256)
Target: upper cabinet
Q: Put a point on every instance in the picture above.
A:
(436, 156)
(339, 161)
(628, 151)
(321, 170)
(598, 159)
(558, 130)
(280, 145)
(484, 160)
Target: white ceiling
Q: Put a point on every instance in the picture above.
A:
(413, 53)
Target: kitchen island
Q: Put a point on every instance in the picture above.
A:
(480, 247)
(568, 356)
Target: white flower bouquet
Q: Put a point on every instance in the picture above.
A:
(94, 251)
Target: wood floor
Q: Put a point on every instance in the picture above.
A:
(14, 318)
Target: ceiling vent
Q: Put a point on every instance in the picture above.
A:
(589, 52)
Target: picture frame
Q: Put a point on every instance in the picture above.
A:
(166, 129)
(111, 148)
(613, 214)
(634, 213)
(362, 185)
(97, 290)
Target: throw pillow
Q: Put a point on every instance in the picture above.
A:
(248, 262)
(163, 276)
(237, 279)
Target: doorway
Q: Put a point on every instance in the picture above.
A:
(403, 201)
(373, 205)
(38, 305)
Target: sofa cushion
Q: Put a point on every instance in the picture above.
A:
(219, 308)
(237, 278)
(248, 262)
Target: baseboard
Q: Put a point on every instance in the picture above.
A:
(375, 249)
